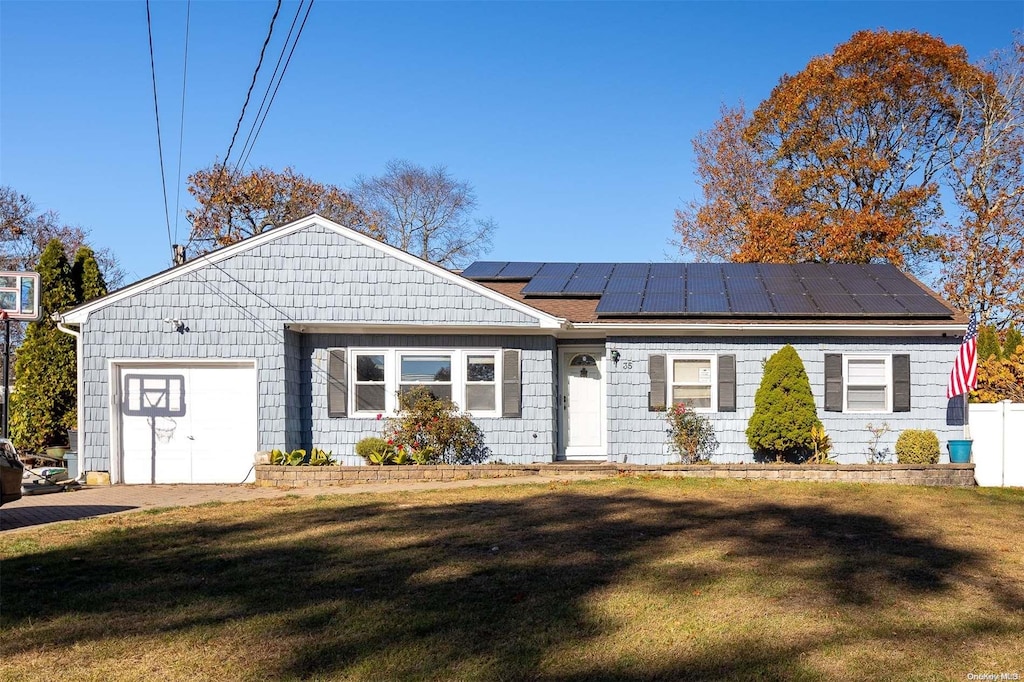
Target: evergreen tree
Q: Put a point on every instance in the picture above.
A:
(89, 281)
(988, 343)
(43, 396)
(1012, 343)
(784, 410)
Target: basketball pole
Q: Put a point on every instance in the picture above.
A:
(7, 369)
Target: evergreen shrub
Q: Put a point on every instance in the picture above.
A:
(917, 446)
(783, 424)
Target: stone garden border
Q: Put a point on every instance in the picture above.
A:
(954, 475)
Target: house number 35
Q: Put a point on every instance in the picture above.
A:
(627, 364)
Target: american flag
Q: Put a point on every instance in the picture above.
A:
(964, 376)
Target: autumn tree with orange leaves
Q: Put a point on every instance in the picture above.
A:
(983, 264)
(841, 163)
(231, 207)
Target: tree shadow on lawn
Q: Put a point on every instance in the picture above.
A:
(487, 589)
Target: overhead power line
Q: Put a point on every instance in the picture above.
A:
(263, 104)
(181, 125)
(255, 75)
(156, 111)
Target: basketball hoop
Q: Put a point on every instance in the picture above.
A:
(164, 428)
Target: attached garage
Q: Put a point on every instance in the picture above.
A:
(186, 422)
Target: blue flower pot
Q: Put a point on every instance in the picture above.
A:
(959, 451)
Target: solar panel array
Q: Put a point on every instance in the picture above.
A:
(722, 289)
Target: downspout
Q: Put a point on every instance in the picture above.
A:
(79, 390)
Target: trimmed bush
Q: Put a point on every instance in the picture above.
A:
(785, 417)
(368, 446)
(917, 446)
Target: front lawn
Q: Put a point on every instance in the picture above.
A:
(621, 579)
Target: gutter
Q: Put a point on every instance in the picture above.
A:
(79, 389)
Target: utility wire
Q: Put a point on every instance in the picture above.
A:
(288, 61)
(159, 142)
(252, 85)
(181, 126)
(266, 94)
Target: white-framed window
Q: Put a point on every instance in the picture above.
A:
(692, 380)
(468, 377)
(867, 383)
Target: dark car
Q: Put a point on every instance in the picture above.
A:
(11, 471)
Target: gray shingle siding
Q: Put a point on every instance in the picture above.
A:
(239, 308)
(639, 436)
(531, 438)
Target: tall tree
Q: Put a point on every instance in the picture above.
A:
(87, 276)
(426, 212)
(43, 397)
(851, 148)
(736, 186)
(983, 265)
(232, 207)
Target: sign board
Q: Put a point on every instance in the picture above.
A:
(19, 296)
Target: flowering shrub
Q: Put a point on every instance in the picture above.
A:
(432, 430)
(692, 435)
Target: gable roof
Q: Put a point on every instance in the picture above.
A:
(639, 293)
(80, 314)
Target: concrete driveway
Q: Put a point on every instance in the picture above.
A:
(87, 502)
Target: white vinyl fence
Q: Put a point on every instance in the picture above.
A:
(998, 449)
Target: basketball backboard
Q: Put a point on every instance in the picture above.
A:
(19, 295)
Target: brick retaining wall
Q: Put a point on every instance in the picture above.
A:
(960, 475)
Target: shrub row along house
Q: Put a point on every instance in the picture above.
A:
(303, 336)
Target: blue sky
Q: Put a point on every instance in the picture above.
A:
(573, 120)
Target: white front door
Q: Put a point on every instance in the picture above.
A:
(583, 413)
(187, 423)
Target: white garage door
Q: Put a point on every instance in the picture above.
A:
(188, 423)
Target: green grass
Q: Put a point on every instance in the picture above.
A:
(618, 579)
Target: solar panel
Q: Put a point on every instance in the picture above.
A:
(703, 269)
(545, 286)
(922, 304)
(626, 284)
(706, 303)
(880, 305)
(846, 271)
(672, 304)
(793, 304)
(775, 271)
(631, 269)
(783, 286)
(834, 304)
(585, 286)
(483, 269)
(519, 270)
(751, 303)
(705, 284)
(824, 286)
(619, 304)
(668, 270)
(603, 270)
(557, 270)
(742, 285)
(862, 285)
(883, 271)
(901, 286)
(664, 285)
(739, 270)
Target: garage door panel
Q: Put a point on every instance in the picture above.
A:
(206, 434)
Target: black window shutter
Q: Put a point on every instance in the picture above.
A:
(726, 383)
(955, 411)
(901, 383)
(511, 385)
(833, 382)
(656, 372)
(337, 383)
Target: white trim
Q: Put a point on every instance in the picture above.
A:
(564, 355)
(767, 329)
(114, 367)
(81, 313)
(405, 328)
(886, 359)
(670, 382)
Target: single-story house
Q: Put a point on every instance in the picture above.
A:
(303, 335)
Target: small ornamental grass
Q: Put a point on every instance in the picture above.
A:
(691, 435)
